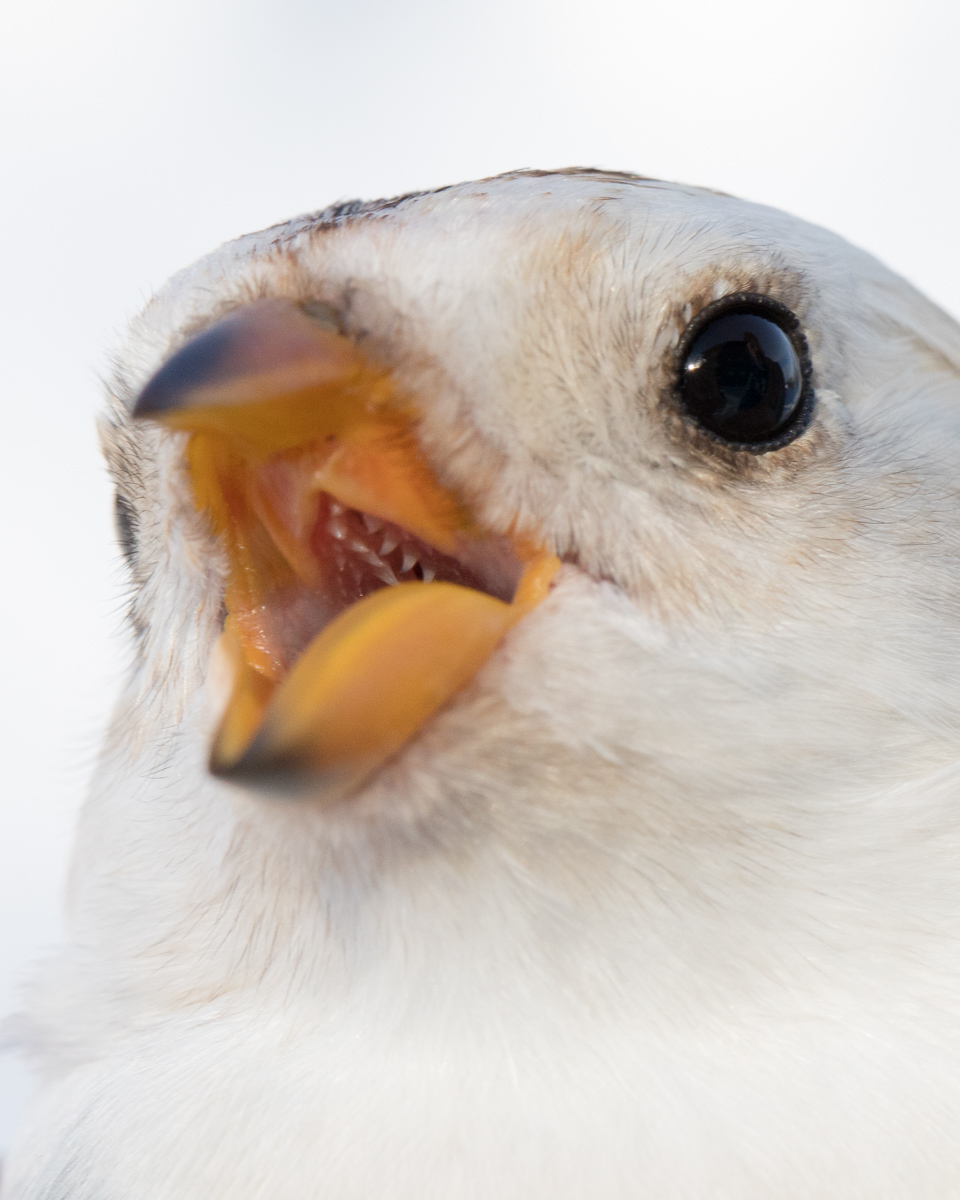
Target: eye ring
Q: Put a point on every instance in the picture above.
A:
(786, 338)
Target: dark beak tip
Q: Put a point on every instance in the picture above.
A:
(266, 336)
(193, 366)
(151, 402)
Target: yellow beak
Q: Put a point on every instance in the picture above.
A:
(338, 653)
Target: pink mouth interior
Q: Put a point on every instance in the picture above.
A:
(367, 553)
(359, 554)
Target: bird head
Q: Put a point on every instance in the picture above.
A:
(545, 594)
(431, 430)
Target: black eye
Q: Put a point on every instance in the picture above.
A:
(743, 372)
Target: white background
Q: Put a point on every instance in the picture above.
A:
(137, 134)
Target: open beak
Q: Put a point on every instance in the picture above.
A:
(362, 596)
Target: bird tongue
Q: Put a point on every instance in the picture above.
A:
(334, 652)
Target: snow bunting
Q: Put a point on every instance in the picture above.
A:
(539, 775)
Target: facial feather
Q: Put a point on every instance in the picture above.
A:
(665, 900)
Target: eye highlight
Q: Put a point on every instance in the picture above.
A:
(744, 373)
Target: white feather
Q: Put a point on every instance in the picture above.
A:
(668, 903)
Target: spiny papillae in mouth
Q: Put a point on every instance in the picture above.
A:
(357, 553)
(361, 594)
(368, 553)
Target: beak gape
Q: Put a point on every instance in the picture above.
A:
(361, 595)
